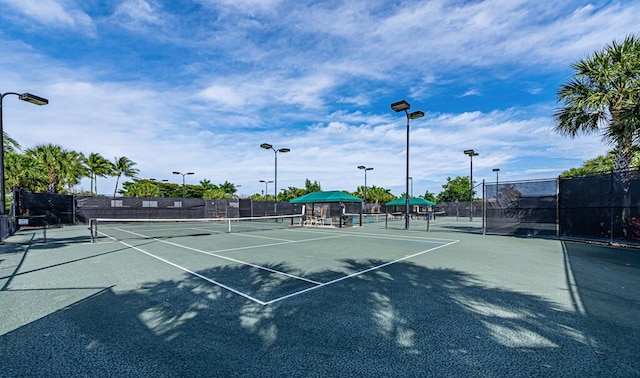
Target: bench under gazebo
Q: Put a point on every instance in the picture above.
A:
(330, 208)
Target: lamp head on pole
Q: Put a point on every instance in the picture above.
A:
(471, 153)
(400, 106)
(284, 150)
(416, 114)
(496, 169)
(37, 100)
(176, 173)
(266, 146)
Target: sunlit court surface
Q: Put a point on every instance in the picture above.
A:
(438, 299)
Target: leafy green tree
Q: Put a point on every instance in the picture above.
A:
(207, 184)
(601, 98)
(312, 187)
(122, 166)
(139, 188)
(10, 144)
(63, 167)
(602, 164)
(228, 188)
(291, 193)
(22, 171)
(215, 193)
(97, 166)
(377, 196)
(455, 189)
(429, 196)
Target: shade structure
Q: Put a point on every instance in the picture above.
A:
(413, 201)
(323, 197)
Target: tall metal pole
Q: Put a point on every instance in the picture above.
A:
(406, 201)
(471, 191)
(25, 97)
(399, 107)
(268, 146)
(275, 186)
(496, 170)
(471, 154)
(2, 188)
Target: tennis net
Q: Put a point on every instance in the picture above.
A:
(121, 229)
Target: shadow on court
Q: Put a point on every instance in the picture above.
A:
(402, 320)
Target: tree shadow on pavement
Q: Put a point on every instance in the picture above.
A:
(401, 320)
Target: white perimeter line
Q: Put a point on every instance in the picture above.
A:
(197, 275)
(235, 260)
(358, 273)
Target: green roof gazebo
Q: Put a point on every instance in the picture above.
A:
(325, 208)
(413, 201)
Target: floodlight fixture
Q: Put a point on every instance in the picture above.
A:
(184, 188)
(417, 114)
(471, 154)
(268, 146)
(365, 169)
(28, 97)
(37, 100)
(400, 106)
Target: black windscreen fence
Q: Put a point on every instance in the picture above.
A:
(604, 207)
(527, 208)
(599, 208)
(54, 209)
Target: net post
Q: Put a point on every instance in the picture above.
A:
(229, 229)
(44, 229)
(92, 224)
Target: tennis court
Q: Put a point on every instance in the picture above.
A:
(378, 300)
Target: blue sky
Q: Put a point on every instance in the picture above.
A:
(198, 85)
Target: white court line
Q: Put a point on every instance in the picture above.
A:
(318, 284)
(232, 259)
(256, 300)
(358, 273)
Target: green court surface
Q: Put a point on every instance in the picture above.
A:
(317, 302)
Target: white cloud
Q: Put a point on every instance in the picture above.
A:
(51, 13)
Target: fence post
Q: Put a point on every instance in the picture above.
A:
(484, 207)
(611, 188)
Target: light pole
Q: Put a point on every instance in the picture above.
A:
(411, 179)
(364, 203)
(266, 182)
(399, 107)
(471, 154)
(184, 188)
(496, 170)
(267, 146)
(28, 97)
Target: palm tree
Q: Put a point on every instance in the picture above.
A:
(97, 165)
(122, 166)
(10, 144)
(206, 184)
(23, 171)
(228, 187)
(62, 167)
(74, 171)
(603, 96)
(604, 85)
